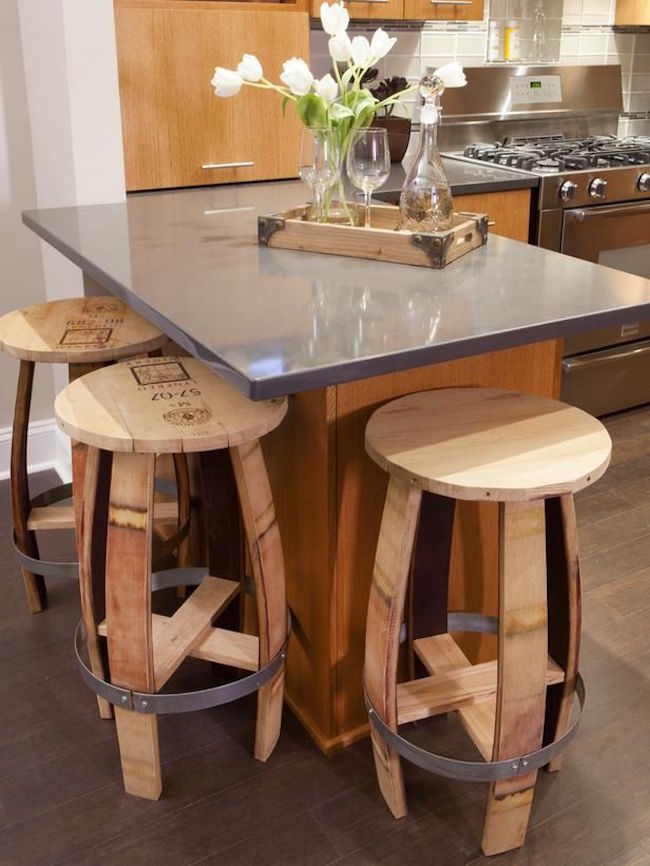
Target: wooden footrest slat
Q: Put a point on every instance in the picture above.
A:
(188, 624)
(453, 689)
(219, 645)
(62, 516)
(440, 654)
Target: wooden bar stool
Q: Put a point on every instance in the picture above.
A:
(529, 455)
(83, 333)
(126, 414)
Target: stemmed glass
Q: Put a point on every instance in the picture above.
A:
(368, 163)
(320, 164)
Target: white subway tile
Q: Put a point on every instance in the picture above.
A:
(593, 43)
(438, 45)
(472, 44)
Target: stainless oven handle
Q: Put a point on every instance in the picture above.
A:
(625, 210)
(593, 359)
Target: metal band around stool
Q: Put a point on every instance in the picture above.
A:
(475, 771)
(180, 702)
(44, 567)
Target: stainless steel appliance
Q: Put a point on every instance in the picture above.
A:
(593, 198)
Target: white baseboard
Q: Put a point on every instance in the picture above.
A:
(47, 448)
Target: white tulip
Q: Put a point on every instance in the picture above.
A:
(334, 18)
(340, 48)
(226, 82)
(380, 45)
(361, 51)
(451, 74)
(327, 89)
(297, 76)
(250, 68)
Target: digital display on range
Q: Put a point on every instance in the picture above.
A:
(535, 85)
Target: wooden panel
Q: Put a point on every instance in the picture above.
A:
(247, 5)
(300, 456)
(368, 9)
(509, 210)
(632, 12)
(172, 121)
(429, 9)
(62, 516)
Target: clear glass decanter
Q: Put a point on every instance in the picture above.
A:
(425, 202)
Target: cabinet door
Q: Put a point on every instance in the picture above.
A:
(444, 10)
(176, 131)
(383, 9)
(508, 211)
(632, 12)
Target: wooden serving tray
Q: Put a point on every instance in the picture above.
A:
(290, 230)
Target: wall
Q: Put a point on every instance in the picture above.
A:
(21, 280)
(587, 36)
(72, 91)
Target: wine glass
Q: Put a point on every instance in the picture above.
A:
(320, 164)
(368, 162)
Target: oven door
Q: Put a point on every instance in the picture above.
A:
(609, 369)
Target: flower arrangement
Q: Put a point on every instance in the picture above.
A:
(339, 100)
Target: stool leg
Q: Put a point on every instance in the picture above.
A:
(128, 616)
(385, 608)
(265, 552)
(91, 475)
(523, 652)
(564, 614)
(183, 495)
(20, 501)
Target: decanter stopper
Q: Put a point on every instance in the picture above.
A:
(425, 202)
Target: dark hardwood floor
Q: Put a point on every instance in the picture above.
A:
(61, 800)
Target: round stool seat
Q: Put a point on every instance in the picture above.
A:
(77, 331)
(161, 405)
(487, 443)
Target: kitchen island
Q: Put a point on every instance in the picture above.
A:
(342, 336)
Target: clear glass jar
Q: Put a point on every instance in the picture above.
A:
(425, 202)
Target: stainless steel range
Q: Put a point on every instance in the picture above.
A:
(593, 198)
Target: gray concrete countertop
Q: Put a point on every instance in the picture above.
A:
(465, 178)
(276, 322)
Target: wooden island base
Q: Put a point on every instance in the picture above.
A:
(329, 497)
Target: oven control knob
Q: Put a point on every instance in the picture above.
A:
(598, 188)
(568, 190)
(644, 182)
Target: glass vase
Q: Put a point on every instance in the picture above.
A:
(425, 202)
(340, 203)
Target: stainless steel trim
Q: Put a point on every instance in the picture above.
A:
(44, 567)
(595, 359)
(209, 165)
(621, 210)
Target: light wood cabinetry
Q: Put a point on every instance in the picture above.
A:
(508, 211)
(444, 10)
(176, 131)
(632, 12)
(415, 10)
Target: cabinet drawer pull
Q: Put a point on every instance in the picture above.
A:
(227, 164)
(452, 2)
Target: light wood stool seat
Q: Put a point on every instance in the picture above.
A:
(126, 415)
(78, 331)
(529, 455)
(488, 443)
(83, 333)
(162, 405)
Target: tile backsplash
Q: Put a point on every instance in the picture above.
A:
(587, 35)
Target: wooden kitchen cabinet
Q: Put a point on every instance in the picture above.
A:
(176, 131)
(508, 211)
(443, 10)
(417, 10)
(632, 13)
